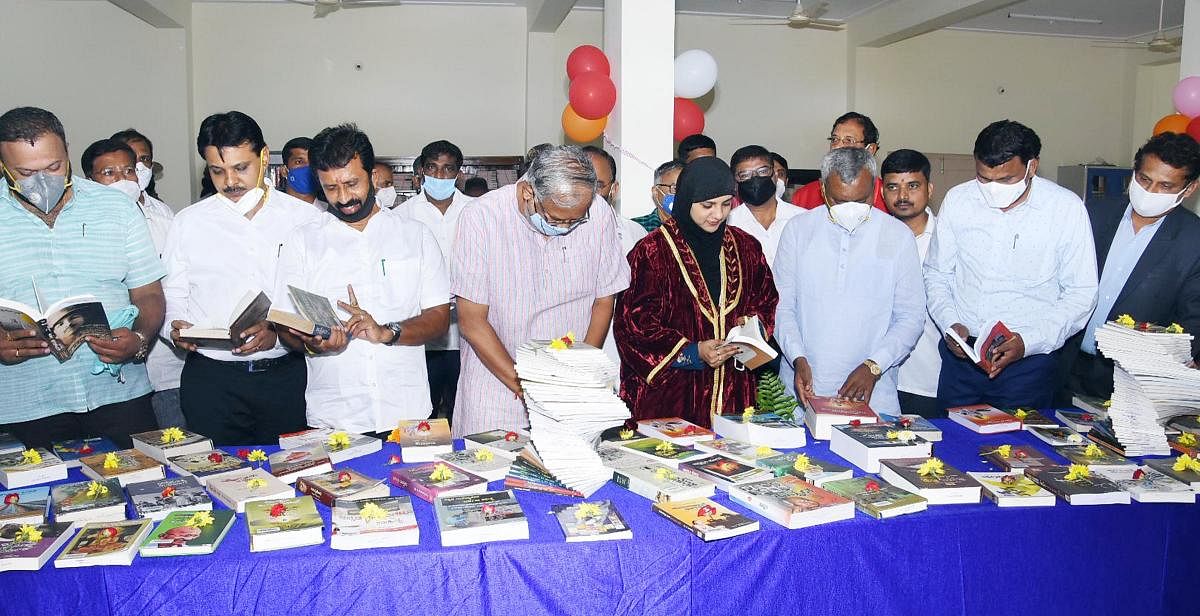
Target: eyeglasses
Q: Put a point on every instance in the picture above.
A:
(569, 225)
(762, 172)
(667, 188)
(846, 141)
(116, 173)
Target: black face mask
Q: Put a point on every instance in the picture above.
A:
(368, 204)
(756, 190)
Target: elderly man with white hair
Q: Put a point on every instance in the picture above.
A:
(851, 296)
(535, 259)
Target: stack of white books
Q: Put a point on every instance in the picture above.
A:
(1151, 384)
(569, 394)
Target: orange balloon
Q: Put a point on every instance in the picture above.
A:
(1174, 123)
(583, 130)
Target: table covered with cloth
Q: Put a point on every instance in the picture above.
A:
(951, 559)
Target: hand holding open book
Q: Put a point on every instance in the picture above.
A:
(993, 352)
(57, 330)
(749, 340)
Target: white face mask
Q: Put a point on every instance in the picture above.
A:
(780, 187)
(386, 197)
(999, 195)
(144, 175)
(129, 188)
(246, 203)
(850, 214)
(1152, 205)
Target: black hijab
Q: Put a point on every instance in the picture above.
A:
(703, 179)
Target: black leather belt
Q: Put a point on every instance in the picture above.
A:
(256, 365)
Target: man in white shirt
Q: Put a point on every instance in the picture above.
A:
(384, 181)
(851, 302)
(370, 374)
(115, 163)
(906, 193)
(438, 205)
(218, 250)
(298, 179)
(761, 213)
(1015, 248)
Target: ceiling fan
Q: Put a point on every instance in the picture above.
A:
(1158, 43)
(322, 8)
(800, 18)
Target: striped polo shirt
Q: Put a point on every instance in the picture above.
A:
(99, 245)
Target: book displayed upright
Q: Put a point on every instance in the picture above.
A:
(104, 543)
(62, 325)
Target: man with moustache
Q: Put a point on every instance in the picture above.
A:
(388, 267)
(217, 250)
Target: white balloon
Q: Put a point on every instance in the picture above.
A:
(695, 73)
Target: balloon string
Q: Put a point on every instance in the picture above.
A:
(634, 157)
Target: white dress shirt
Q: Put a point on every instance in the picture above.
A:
(1032, 267)
(743, 218)
(214, 256)
(443, 227)
(919, 373)
(397, 271)
(848, 297)
(165, 362)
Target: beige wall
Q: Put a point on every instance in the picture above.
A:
(100, 70)
(1152, 98)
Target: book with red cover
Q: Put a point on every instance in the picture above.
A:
(981, 351)
(828, 405)
(983, 418)
(419, 482)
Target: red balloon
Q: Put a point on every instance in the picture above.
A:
(586, 59)
(689, 118)
(1193, 128)
(592, 95)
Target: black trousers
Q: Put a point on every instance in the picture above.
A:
(114, 421)
(920, 405)
(1091, 375)
(235, 406)
(443, 369)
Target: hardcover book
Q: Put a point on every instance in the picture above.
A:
(935, 481)
(291, 464)
(343, 484)
(793, 503)
(808, 468)
(206, 464)
(477, 518)
(375, 522)
(170, 442)
(433, 479)
(708, 520)
(25, 505)
(594, 521)
(19, 552)
(983, 419)
(1013, 489)
(1092, 489)
(278, 524)
(183, 533)
(155, 499)
(876, 497)
(1014, 457)
(127, 466)
(88, 501)
(422, 439)
(70, 451)
(104, 543)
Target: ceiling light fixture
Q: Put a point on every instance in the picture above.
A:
(1053, 18)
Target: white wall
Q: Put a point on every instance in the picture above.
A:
(101, 70)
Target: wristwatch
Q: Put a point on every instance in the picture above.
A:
(873, 367)
(396, 329)
(143, 346)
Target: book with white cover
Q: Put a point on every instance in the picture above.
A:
(236, 489)
(18, 470)
(675, 430)
(358, 445)
(1146, 485)
(792, 502)
(380, 522)
(766, 429)
(661, 483)
(1013, 489)
(866, 445)
(170, 442)
(481, 462)
(479, 518)
(753, 349)
(504, 443)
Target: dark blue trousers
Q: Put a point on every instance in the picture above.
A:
(1027, 382)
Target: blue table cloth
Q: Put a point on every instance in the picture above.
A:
(951, 559)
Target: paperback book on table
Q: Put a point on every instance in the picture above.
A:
(1057, 436)
(767, 429)
(279, 524)
(503, 443)
(983, 418)
(1094, 457)
(291, 464)
(126, 466)
(204, 465)
(742, 451)
(821, 413)
(792, 502)
(866, 445)
(20, 552)
(1013, 489)
(236, 489)
(433, 479)
(724, 472)
(1173, 468)
(187, 533)
(478, 518)
(70, 451)
(1079, 421)
(374, 522)
(663, 452)
(481, 462)
(170, 442)
(1091, 489)
(915, 423)
(25, 505)
(1030, 418)
(806, 467)
(675, 430)
(342, 484)
(1008, 457)
(1184, 442)
(944, 486)
(18, 470)
(88, 501)
(104, 543)
(1096, 406)
(10, 443)
(592, 521)
(1146, 485)
(354, 446)
(876, 497)
(707, 519)
(616, 457)
(421, 440)
(528, 473)
(155, 499)
(659, 482)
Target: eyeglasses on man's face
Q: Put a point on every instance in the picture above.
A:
(762, 172)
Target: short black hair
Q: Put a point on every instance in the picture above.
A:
(28, 124)
(439, 148)
(100, 148)
(870, 132)
(776, 157)
(229, 130)
(695, 142)
(747, 152)
(905, 161)
(602, 153)
(131, 135)
(336, 146)
(295, 143)
(475, 182)
(1178, 150)
(1001, 141)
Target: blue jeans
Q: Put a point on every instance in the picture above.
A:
(167, 410)
(1027, 382)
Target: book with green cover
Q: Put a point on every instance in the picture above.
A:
(184, 533)
(876, 497)
(662, 451)
(283, 523)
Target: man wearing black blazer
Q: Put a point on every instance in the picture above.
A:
(1148, 256)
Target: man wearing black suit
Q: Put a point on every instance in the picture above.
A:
(1148, 256)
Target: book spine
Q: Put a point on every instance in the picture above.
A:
(306, 487)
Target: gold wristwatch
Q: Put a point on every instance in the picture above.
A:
(873, 367)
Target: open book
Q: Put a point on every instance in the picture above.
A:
(316, 318)
(753, 350)
(63, 324)
(251, 309)
(981, 351)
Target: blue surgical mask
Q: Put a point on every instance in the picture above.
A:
(437, 188)
(301, 180)
(545, 228)
(668, 203)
